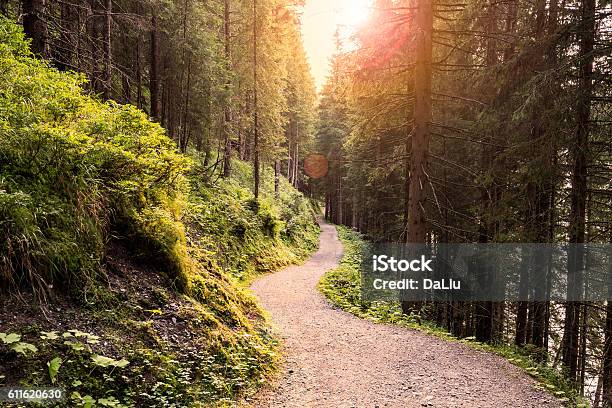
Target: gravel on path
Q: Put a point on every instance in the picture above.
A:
(334, 359)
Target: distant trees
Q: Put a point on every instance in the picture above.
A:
(518, 151)
(227, 113)
(190, 66)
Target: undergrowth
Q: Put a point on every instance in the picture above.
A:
(250, 237)
(342, 286)
(71, 169)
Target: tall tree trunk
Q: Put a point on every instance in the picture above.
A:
(35, 26)
(227, 113)
(296, 159)
(154, 84)
(289, 150)
(485, 311)
(417, 193)
(165, 100)
(578, 193)
(417, 223)
(510, 28)
(94, 39)
(108, 56)
(65, 54)
(185, 127)
(277, 165)
(137, 66)
(339, 198)
(408, 145)
(354, 207)
(292, 141)
(521, 315)
(544, 198)
(126, 80)
(255, 108)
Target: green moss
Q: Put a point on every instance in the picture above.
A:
(342, 286)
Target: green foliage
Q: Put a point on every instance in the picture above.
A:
(71, 168)
(102, 361)
(242, 236)
(54, 366)
(12, 340)
(74, 360)
(342, 286)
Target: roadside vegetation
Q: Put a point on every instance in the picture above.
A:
(122, 259)
(342, 287)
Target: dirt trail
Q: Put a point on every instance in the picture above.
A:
(334, 359)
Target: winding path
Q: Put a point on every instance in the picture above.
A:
(334, 359)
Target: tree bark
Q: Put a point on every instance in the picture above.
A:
(154, 71)
(339, 198)
(108, 57)
(417, 193)
(406, 219)
(296, 158)
(137, 66)
(578, 192)
(277, 178)
(417, 223)
(35, 26)
(65, 54)
(227, 113)
(185, 126)
(607, 349)
(255, 108)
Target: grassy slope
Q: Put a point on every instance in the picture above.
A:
(137, 261)
(342, 286)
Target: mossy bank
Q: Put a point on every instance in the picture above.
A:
(122, 259)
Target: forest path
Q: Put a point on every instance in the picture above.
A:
(334, 359)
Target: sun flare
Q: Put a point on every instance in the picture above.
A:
(351, 13)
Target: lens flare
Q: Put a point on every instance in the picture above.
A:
(352, 13)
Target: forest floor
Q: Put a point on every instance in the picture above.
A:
(334, 359)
